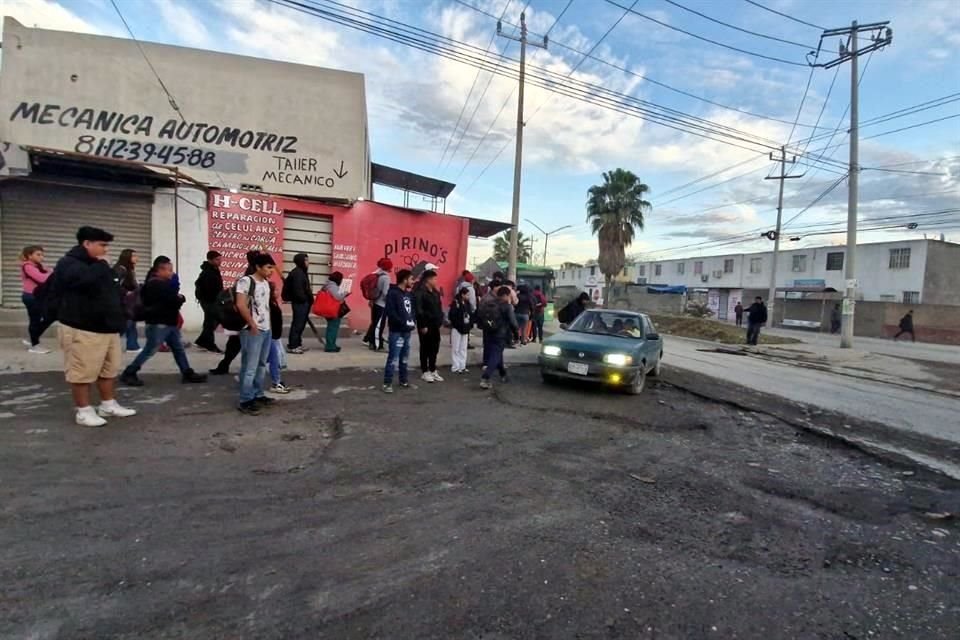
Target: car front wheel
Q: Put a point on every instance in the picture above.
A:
(655, 372)
(636, 387)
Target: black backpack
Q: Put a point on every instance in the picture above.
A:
(490, 316)
(227, 314)
(47, 298)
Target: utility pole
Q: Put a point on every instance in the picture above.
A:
(783, 177)
(546, 236)
(881, 36)
(518, 159)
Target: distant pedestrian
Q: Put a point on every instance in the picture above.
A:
(91, 319)
(574, 308)
(126, 270)
(401, 320)
(207, 289)
(756, 318)
(332, 287)
(524, 310)
(835, 319)
(738, 313)
(233, 347)
(256, 340)
(499, 323)
(161, 307)
(298, 292)
(378, 302)
(32, 275)
(539, 313)
(429, 320)
(276, 361)
(906, 326)
(461, 322)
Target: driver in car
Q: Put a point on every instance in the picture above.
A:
(631, 329)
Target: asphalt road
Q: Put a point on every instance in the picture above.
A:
(447, 512)
(943, 353)
(911, 410)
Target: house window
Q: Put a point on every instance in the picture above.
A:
(911, 297)
(886, 297)
(579, 274)
(643, 270)
(698, 268)
(728, 265)
(625, 271)
(681, 267)
(657, 268)
(900, 258)
(756, 265)
(593, 271)
(835, 261)
(800, 263)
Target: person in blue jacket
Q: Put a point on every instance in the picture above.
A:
(401, 320)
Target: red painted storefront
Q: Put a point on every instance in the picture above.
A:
(362, 234)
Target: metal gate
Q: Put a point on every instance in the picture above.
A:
(312, 235)
(36, 212)
(724, 303)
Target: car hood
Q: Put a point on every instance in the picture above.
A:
(592, 342)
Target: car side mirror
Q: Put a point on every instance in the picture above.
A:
(653, 336)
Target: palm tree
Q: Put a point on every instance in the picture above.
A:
(615, 210)
(501, 248)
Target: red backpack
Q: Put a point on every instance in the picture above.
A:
(368, 286)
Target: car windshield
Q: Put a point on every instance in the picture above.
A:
(611, 323)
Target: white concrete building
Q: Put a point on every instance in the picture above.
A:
(908, 271)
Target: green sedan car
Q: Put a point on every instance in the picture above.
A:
(615, 348)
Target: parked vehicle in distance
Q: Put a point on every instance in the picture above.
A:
(612, 347)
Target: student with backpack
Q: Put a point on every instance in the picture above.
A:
(160, 304)
(498, 322)
(276, 361)
(461, 322)
(401, 320)
(224, 304)
(539, 311)
(33, 275)
(85, 298)
(126, 270)
(429, 321)
(253, 305)
(375, 287)
(298, 292)
(207, 287)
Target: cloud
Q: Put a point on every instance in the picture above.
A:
(46, 14)
(183, 23)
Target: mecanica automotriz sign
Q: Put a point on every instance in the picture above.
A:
(225, 120)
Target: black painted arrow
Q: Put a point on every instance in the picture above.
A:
(340, 173)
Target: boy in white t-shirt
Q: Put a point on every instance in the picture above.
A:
(253, 303)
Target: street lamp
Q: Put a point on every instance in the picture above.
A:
(546, 236)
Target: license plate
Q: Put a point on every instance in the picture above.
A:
(578, 368)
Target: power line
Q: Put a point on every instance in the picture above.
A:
(575, 50)
(714, 42)
(820, 197)
(740, 29)
(466, 100)
(595, 95)
(789, 17)
(711, 175)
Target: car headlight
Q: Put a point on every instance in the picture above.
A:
(550, 350)
(618, 359)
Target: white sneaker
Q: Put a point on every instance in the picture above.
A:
(38, 350)
(134, 352)
(114, 410)
(436, 377)
(427, 377)
(26, 343)
(89, 418)
(280, 389)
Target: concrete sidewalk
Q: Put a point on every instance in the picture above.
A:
(14, 358)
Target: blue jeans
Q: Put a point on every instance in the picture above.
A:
(131, 335)
(254, 356)
(157, 334)
(399, 351)
(523, 320)
(274, 361)
(493, 347)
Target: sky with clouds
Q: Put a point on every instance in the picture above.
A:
(416, 99)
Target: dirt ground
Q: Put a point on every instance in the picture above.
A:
(447, 512)
(713, 330)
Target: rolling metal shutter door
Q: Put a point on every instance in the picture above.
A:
(49, 215)
(312, 235)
